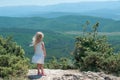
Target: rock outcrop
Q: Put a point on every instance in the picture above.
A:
(57, 74)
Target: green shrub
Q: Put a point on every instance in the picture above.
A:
(62, 63)
(53, 64)
(93, 52)
(112, 64)
(12, 59)
(92, 61)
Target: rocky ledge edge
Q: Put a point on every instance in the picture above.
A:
(58, 74)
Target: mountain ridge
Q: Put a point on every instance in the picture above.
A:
(84, 8)
(64, 23)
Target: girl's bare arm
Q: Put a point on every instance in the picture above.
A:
(43, 47)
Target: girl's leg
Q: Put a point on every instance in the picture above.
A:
(38, 68)
(42, 70)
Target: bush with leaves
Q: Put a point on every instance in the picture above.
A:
(12, 59)
(112, 64)
(93, 52)
(62, 63)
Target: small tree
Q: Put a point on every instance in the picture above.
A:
(92, 52)
(12, 59)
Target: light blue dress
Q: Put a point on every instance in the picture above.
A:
(38, 56)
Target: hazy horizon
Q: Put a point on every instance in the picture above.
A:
(5, 3)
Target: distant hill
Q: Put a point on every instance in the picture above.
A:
(109, 9)
(59, 24)
(57, 44)
(57, 41)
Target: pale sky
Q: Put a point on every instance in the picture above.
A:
(42, 2)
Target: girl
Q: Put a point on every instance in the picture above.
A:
(39, 52)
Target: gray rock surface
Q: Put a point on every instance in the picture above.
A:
(58, 74)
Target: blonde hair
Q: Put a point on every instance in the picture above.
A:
(37, 38)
